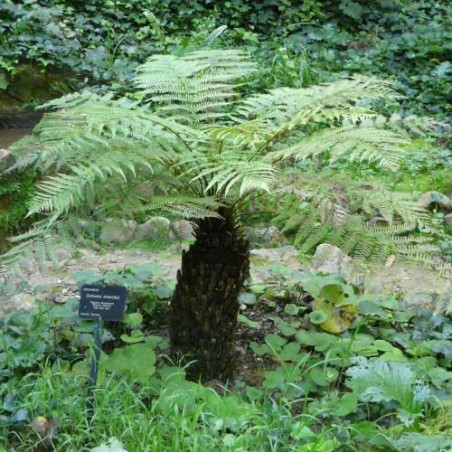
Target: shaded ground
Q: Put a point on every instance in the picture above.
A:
(417, 284)
(56, 285)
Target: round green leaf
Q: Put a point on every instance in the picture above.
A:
(318, 317)
(291, 309)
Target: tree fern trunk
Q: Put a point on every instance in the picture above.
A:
(205, 303)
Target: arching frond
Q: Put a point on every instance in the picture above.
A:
(59, 193)
(317, 103)
(184, 206)
(352, 143)
(229, 170)
(199, 84)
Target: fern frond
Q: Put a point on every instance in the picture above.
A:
(183, 206)
(398, 123)
(353, 143)
(201, 83)
(58, 194)
(281, 104)
(39, 244)
(322, 208)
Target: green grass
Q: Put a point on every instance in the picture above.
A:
(177, 416)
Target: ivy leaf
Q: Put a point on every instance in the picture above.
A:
(258, 288)
(163, 292)
(439, 376)
(135, 337)
(290, 352)
(87, 277)
(323, 376)
(352, 9)
(320, 341)
(291, 309)
(260, 349)
(133, 320)
(394, 355)
(371, 308)
(285, 328)
(145, 272)
(318, 317)
(254, 394)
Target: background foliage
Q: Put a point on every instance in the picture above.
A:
(102, 41)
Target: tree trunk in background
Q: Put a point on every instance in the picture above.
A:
(205, 305)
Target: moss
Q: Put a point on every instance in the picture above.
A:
(31, 86)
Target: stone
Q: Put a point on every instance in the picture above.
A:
(433, 199)
(270, 235)
(118, 231)
(6, 159)
(157, 228)
(331, 259)
(183, 230)
(448, 220)
(22, 302)
(281, 254)
(64, 254)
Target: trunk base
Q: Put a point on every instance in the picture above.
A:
(205, 305)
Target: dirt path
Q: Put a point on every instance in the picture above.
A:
(417, 285)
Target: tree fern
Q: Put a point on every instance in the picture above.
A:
(218, 150)
(191, 124)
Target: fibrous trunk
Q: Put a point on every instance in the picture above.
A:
(205, 305)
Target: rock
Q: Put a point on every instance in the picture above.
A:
(280, 254)
(270, 235)
(6, 159)
(433, 199)
(420, 299)
(183, 229)
(415, 284)
(331, 259)
(448, 220)
(64, 254)
(22, 302)
(118, 231)
(155, 228)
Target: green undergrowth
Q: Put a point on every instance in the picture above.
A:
(333, 368)
(15, 193)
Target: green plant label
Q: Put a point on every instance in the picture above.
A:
(108, 302)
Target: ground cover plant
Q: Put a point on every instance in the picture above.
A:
(369, 374)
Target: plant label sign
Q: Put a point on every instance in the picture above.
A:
(107, 302)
